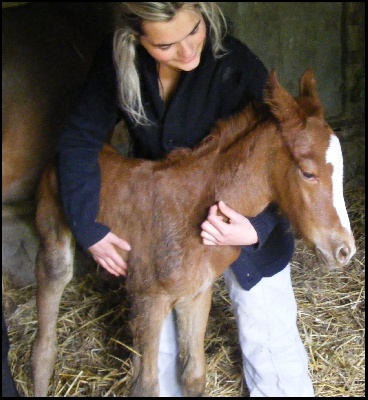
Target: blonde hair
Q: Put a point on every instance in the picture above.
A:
(130, 17)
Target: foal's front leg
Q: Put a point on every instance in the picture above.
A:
(192, 317)
(148, 316)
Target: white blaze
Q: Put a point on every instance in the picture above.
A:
(334, 157)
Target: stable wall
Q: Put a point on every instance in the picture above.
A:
(292, 36)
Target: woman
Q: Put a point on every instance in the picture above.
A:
(171, 72)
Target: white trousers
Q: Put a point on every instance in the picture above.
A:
(275, 362)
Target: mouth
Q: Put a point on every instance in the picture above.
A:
(326, 263)
(188, 60)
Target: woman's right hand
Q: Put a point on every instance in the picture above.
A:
(105, 254)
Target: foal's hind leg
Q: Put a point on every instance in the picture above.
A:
(54, 269)
(192, 317)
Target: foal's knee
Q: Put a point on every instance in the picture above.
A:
(54, 262)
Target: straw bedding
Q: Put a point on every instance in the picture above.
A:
(95, 342)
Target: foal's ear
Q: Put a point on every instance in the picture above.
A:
(290, 116)
(307, 85)
(282, 104)
(308, 91)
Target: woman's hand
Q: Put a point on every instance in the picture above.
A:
(105, 254)
(231, 228)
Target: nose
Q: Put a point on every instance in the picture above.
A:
(344, 253)
(185, 49)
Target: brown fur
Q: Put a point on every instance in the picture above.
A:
(248, 161)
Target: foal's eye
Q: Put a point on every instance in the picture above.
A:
(308, 175)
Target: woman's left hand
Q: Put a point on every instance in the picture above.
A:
(231, 228)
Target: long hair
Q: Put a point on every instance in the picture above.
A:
(129, 28)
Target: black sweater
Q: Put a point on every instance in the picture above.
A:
(217, 88)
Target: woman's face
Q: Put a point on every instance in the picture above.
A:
(176, 44)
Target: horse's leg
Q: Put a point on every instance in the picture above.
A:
(54, 269)
(148, 316)
(192, 317)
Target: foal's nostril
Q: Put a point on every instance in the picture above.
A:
(343, 254)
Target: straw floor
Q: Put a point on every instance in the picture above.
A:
(95, 342)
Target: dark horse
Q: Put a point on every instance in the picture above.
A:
(282, 151)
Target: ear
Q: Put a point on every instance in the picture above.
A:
(308, 91)
(283, 106)
(289, 115)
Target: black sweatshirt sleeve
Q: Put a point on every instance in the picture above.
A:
(81, 141)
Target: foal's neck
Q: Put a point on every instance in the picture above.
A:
(242, 171)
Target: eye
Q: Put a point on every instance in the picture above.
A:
(195, 30)
(309, 176)
(164, 46)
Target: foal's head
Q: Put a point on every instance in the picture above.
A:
(308, 179)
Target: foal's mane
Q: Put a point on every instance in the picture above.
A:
(225, 132)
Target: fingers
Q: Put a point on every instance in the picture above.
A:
(208, 242)
(218, 224)
(213, 210)
(112, 262)
(105, 254)
(228, 228)
(111, 266)
(210, 227)
(208, 239)
(227, 211)
(213, 230)
(120, 243)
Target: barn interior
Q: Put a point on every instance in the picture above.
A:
(47, 50)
